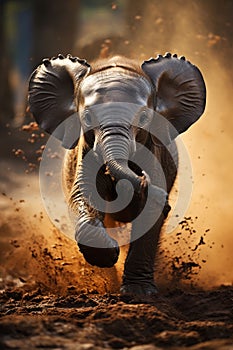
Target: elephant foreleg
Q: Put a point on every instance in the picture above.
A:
(93, 240)
(94, 243)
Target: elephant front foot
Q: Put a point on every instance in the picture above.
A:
(97, 247)
(101, 257)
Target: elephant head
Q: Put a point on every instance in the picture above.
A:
(102, 94)
(117, 104)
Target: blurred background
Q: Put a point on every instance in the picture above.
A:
(200, 30)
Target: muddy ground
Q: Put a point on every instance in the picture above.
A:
(176, 320)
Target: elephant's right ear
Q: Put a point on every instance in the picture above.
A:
(180, 91)
(51, 98)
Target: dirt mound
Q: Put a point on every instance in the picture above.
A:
(34, 319)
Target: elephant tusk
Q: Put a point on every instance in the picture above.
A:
(133, 146)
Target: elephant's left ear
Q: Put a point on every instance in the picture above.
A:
(179, 88)
(52, 95)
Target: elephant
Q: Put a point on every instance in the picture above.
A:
(121, 117)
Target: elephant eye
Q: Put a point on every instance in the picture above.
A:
(87, 118)
(143, 118)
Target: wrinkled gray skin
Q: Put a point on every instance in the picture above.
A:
(114, 99)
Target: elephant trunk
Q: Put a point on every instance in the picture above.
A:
(116, 150)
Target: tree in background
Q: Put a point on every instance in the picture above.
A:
(55, 27)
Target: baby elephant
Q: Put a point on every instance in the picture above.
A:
(119, 120)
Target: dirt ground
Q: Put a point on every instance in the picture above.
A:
(177, 320)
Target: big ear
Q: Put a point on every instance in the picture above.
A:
(52, 88)
(180, 91)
